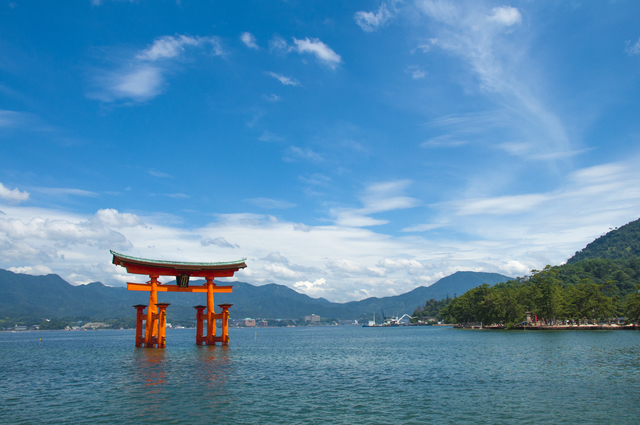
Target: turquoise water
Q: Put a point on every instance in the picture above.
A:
(349, 375)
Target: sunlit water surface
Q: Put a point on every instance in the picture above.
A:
(348, 375)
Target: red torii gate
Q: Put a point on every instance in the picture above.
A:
(156, 316)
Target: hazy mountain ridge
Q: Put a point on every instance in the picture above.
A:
(51, 296)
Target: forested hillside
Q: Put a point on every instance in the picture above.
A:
(619, 244)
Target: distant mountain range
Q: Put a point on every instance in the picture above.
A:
(50, 296)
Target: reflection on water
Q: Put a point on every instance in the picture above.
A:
(213, 364)
(316, 375)
(151, 365)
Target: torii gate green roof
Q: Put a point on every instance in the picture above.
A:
(121, 259)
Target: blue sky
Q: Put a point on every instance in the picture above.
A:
(347, 149)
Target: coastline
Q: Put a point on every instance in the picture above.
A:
(552, 327)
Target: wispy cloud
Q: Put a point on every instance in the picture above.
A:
(490, 41)
(294, 153)
(320, 50)
(323, 53)
(416, 72)
(377, 198)
(162, 174)
(423, 227)
(168, 47)
(284, 80)
(220, 242)
(11, 118)
(370, 21)
(269, 203)
(506, 15)
(13, 195)
(249, 40)
(444, 141)
(177, 195)
(143, 77)
(268, 136)
(632, 49)
(64, 191)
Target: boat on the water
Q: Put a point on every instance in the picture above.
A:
(388, 321)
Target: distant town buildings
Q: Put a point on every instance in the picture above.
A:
(313, 318)
(250, 323)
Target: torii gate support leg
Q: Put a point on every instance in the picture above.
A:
(225, 323)
(199, 326)
(162, 324)
(139, 323)
(211, 321)
(150, 332)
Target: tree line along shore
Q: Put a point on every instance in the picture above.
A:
(590, 294)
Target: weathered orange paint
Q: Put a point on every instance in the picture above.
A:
(162, 324)
(225, 323)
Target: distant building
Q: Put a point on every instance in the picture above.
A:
(250, 323)
(314, 318)
(263, 324)
(94, 325)
(19, 328)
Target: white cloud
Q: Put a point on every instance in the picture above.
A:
(319, 50)
(248, 39)
(281, 271)
(168, 47)
(401, 263)
(278, 44)
(275, 257)
(344, 267)
(284, 80)
(38, 270)
(506, 15)
(143, 77)
(498, 59)
(139, 84)
(423, 227)
(378, 197)
(315, 288)
(113, 218)
(370, 21)
(416, 72)
(64, 191)
(221, 242)
(302, 227)
(63, 233)
(542, 228)
(13, 195)
(632, 49)
(500, 205)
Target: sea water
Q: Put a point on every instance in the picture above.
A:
(343, 375)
